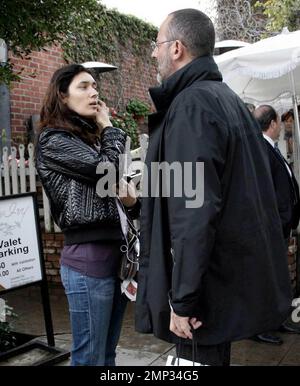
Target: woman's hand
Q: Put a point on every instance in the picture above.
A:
(102, 116)
(127, 193)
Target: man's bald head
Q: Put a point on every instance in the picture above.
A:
(268, 120)
(265, 114)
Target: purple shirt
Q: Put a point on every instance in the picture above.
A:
(96, 259)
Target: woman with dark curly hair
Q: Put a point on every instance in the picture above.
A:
(75, 136)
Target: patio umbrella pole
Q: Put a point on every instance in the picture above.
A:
(297, 127)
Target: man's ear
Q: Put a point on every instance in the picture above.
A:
(178, 50)
(273, 124)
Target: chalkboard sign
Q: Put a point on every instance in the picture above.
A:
(20, 244)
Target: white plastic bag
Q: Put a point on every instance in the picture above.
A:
(175, 361)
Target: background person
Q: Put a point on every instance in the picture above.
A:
(288, 121)
(286, 189)
(76, 135)
(285, 183)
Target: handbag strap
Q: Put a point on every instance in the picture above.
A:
(194, 349)
(133, 240)
(124, 214)
(123, 217)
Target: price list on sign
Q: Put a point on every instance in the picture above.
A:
(19, 244)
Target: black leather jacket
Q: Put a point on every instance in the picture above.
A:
(67, 168)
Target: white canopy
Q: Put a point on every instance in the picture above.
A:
(231, 43)
(250, 71)
(267, 72)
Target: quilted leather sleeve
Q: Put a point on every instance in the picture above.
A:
(65, 153)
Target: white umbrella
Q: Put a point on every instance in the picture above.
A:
(244, 69)
(99, 66)
(266, 71)
(231, 43)
(228, 45)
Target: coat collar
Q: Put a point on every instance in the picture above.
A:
(84, 123)
(202, 68)
(269, 139)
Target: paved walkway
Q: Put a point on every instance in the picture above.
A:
(136, 349)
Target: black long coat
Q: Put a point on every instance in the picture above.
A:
(224, 262)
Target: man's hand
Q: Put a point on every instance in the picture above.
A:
(181, 325)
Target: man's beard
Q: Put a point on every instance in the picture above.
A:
(164, 70)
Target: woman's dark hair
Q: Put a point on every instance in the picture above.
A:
(287, 115)
(56, 114)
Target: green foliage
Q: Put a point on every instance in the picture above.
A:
(99, 32)
(28, 25)
(126, 122)
(86, 29)
(7, 338)
(137, 107)
(280, 13)
(7, 75)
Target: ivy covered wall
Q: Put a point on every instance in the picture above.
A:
(99, 34)
(112, 38)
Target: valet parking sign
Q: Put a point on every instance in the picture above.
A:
(20, 261)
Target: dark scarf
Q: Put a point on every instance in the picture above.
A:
(202, 68)
(89, 131)
(87, 124)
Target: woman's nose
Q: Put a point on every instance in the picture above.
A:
(94, 92)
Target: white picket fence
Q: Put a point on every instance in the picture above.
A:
(18, 174)
(15, 172)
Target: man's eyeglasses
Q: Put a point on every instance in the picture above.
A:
(155, 45)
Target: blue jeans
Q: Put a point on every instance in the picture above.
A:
(96, 312)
